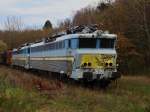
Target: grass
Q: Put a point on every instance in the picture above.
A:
(121, 99)
(20, 92)
(14, 98)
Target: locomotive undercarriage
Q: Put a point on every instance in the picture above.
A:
(91, 74)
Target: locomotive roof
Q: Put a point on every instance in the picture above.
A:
(96, 34)
(88, 35)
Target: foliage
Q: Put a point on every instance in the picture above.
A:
(130, 20)
(15, 39)
(15, 99)
(128, 57)
(19, 91)
(3, 46)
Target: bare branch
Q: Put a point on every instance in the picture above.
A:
(13, 23)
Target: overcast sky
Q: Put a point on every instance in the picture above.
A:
(36, 12)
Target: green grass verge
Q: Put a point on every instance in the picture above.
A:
(16, 99)
(131, 95)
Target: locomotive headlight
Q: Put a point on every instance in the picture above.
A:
(85, 64)
(110, 64)
(106, 64)
(89, 64)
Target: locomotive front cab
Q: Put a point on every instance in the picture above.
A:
(95, 57)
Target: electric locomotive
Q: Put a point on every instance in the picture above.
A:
(87, 54)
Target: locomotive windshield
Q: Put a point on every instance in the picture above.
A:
(107, 43)
(87, 42)
(95, 43)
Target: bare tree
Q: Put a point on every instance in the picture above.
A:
(13, 23)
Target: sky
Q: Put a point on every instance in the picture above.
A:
(34, 13)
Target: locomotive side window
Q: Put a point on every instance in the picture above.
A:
(67, 44)
(74, 43)
(63, 44)
(52, 46)
(28, 50)
(98, 43)
(60, 45)
(57, 45)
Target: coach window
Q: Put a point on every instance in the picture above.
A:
(74, 43)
